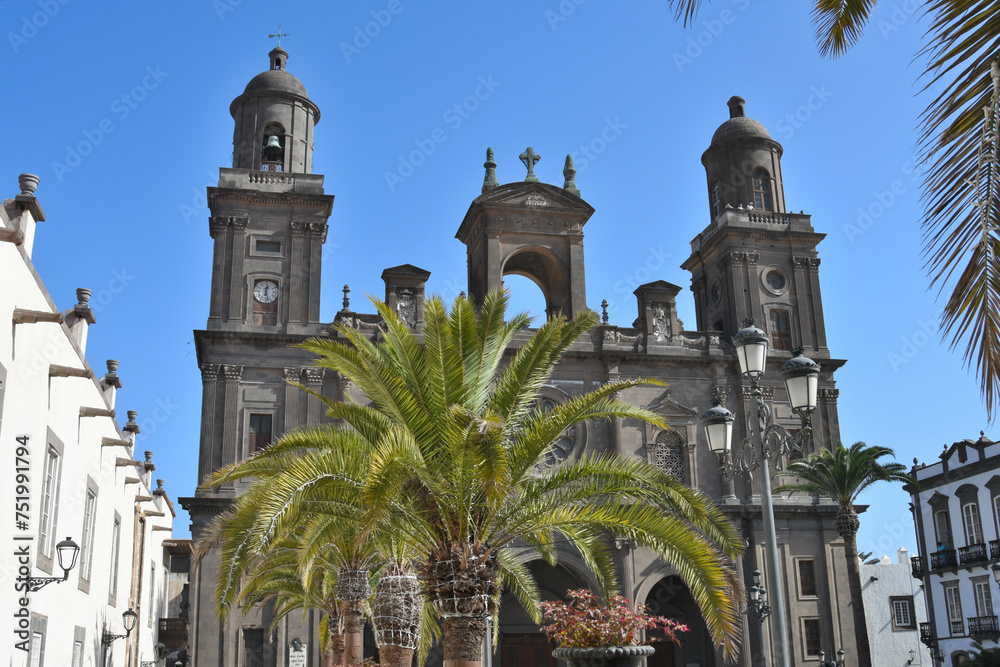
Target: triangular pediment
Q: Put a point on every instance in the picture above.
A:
(533, 195)
(668, 407)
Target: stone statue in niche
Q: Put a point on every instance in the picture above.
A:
(661, 326)
(406, 308)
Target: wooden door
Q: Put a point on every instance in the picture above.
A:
(523, 650)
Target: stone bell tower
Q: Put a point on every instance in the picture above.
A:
(268, 225)
(530, 229)
(755, 259)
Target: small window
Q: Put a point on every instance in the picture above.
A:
(116, 532)
(50, 500)
(973, 528)
(270, 247)
(810, 635)
(761, 190)
(87, 546)
(253, 647)
(260, 432)
(781, 331)
(807, 578)
(902, 613)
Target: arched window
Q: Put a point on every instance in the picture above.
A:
(669, 455)
(781, 330)
(716, 199)
(272, 151)
(762, 190)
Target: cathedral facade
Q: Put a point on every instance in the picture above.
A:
(754, 259)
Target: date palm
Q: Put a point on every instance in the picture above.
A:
(842, 475)
(958, 151)
(458, 457)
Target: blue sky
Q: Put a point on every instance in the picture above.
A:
(122, 110)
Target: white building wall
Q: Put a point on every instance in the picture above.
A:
(880, 584)
(47, 409)
(940, 485)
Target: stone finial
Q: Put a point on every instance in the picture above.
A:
(569, 173)
(112, 366)
(737, 106)
(462, 295)
(530, 158)
(148, 463)
(347, 299)
(111, 378)
(159, 487)
(83, 295)
(132, 426)
(28, 183)
(490, 181)
(604, 311)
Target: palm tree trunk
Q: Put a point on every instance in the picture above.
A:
(395, 656)
(857, 602)
(463, 641)
(353, 648)
(336, 650)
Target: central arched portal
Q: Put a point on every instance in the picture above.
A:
(671, 598)
(542, 267)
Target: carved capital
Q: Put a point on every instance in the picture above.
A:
(210, 372)
(318, 229)
(735, 258)
(232, 373)
(240, 224)
(800, 262)
(752, 258)
(813, 263)
(829, 394)
(314, 376)
(218, 224)
(298, 228)
(720, 393)
(344, 384)
(767, 393)
(293, 374)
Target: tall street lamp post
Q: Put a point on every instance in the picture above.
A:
(758, 610)
(765, 440)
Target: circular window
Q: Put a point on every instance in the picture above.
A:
(774, 280)
(565, 443)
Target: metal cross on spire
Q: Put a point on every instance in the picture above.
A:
(278, 34)
(529, 157)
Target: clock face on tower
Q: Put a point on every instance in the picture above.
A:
(265, 291)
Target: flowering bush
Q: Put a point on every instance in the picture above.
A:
(586, 623)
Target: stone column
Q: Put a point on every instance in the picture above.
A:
(218, 227)
(816, 305)
(236, 280)
(291, 416)
(230, 425)
(314, 406)
(297, 283)
(576, 278)
(802, 318)
(317, 237)
(210, 383)
(753, 290)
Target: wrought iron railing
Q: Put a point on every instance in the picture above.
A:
(994, 549)
(942, 559)
(974, 553)
(983, 625)
(957, 628)
(925, 634)
(917, 565)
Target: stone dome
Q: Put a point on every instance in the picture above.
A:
(277, 78)
(739, 127)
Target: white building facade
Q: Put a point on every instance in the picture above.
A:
(895, 608)
(957, 515)
(70, 472)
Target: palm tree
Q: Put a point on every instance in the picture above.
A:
(842, 475)
(961, 220)
(457, 463)
(450, 457)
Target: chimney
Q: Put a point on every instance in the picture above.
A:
(80, 317)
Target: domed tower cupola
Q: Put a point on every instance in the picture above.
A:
(274, 121)
(743, 165)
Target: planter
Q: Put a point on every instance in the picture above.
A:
(605, 656)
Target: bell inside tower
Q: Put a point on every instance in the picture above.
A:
(272, 154)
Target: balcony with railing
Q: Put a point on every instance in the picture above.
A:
(984, 626)
(942, 559)
(995, 549)
(173, 633)
(917, 566)
(973, 554)
(925, 634)
(957, 628)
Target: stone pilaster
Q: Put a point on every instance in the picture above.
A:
(230, 423)
(314, 406)
(210, 384)
(316, 239)
(292, 418)
(299, 277)
(236, 281)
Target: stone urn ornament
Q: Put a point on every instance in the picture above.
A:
(593, 634)
(28, 183)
